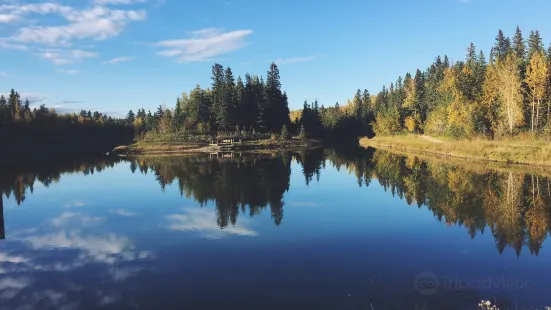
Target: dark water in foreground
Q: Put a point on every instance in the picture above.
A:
(319, 230)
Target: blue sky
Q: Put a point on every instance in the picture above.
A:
(116, 55)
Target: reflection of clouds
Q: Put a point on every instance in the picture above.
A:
(66, 217)
(309, 204)
(204, 220)
(122, 212)
(26, 281)
(110, 249)
(75, 204)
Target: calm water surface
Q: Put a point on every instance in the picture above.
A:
(318, 230)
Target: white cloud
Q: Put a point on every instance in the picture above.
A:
(68, 71)
(5, 44)
(8, 18)
(76, 203)
(204, 45)
(204, 221)
(62, 57)
(17, 283)
(98, 22)
(283, 61)
(66, 217)
(122, 212)
(104, 2)
(117, 60)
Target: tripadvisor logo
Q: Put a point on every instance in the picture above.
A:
(427, 283)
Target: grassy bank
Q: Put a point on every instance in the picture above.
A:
(256, 145)
(528, 152)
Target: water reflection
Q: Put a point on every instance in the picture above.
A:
(513, 205)
(122, 232)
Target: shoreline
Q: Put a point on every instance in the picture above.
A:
(260, 146)
(535, 153)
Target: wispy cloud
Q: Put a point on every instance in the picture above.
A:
(62, 57)
(3, 74)
(204, 44)
(66, 217)
(124, 213)
(283, 61)
(117, 60)
(68, 71)
(76, 203)
(204, 221)
(97, 23)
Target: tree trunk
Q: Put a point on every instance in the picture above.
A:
(532, 117)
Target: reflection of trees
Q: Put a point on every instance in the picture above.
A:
(20, 181)
(514, 206)
(233, 184)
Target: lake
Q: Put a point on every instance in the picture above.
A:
(326, 229)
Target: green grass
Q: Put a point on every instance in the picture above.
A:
(528, 151)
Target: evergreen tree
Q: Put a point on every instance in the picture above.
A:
(229, 99)
(14, 105)
(358, 105)
(239, 102)
(502, 46)
(219, 107)
(284, 136)
(277, 107)
(4, 110)
(535, 44)
(302, 133)
(130, 117)
(366, 101)
(519, 46)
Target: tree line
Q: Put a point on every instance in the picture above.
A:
(249, 104)
(507, 94)
(25, 130)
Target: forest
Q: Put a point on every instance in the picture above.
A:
(251, 107)
(26, 132)
(506, 95)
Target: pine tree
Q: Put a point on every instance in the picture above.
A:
(535, 44)
(130, 118)
(358, 105)
(277, 106)
(219, 108)
(4, 110)
(502, 46)
(14, 104)
(302, 133)
(519, 46)
(229, 99)
(239, 103)
(366, 101)
(284, 136)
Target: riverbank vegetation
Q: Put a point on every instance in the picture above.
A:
(502, 97)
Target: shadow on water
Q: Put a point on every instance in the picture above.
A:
(515, 207)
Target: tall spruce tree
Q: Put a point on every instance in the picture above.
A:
(358, 105)
(219, 107)
(519, 46)
(230, 99)
(535, 44)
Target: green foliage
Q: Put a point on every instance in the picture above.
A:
(388, 124)
(284, 136)
(302, 133)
